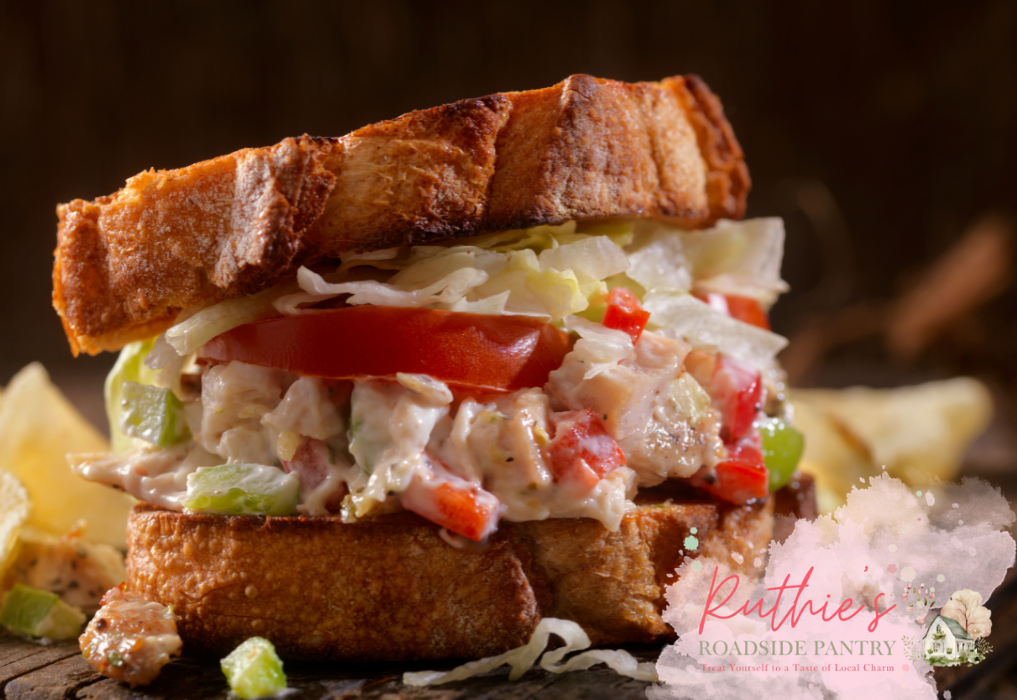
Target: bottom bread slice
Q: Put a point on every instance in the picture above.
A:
(392, 588)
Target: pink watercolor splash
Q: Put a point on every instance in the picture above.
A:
(882, 540)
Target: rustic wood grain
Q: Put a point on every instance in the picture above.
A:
(56, 681)
(22, 658)
(31, 672)
(9, 653)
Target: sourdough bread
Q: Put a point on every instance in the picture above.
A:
(126, 264)
(391, 588)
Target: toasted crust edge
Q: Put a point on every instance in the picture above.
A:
(392, 589)
(126, 264)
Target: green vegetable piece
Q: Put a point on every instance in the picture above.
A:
(253, 669)
(129, 367)
(152, 414)
(39, 613)
(242, 489)
(782, 448)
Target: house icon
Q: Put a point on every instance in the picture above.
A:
(945, 637)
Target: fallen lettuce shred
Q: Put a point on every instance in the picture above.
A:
(523, 658)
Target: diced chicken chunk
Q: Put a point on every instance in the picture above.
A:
(130, 639)
(648, 404)
(235, 397)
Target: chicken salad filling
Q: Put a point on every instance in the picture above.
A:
(526, 375)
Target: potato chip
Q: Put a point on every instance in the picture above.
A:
(834, 454)
(38, 428)
(920, 433)
(14, 509)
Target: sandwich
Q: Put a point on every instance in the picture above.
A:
(404, 393)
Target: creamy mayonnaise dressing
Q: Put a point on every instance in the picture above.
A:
(367, 447)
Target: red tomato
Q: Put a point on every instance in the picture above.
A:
(740, 478)
(625, 313)
(452, 502)
(736, 390)
(477, 351)
(311, 463)
(582, 452)
(744, 309)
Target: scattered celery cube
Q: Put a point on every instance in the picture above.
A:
(40, 613)
(253, 670)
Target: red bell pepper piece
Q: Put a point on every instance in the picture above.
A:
(582, 452)
(744, 309)
(625, 313)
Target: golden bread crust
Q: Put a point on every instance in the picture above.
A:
(585, 148)
(392, 589)
(125, 264)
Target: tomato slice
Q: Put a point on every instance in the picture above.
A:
(744, 309)
(475, 351)
(582, 452)
(740, 478)
(625, 313)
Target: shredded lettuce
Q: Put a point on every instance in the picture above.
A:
(599, 347)
(592, 259)
(446, 290)
(129, 367)
(551, 285)
(548, 272)
(522, 659)
(734, 257)
(494, 305)
(676, 314)
(193, 332)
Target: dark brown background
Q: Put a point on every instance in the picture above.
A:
(896, 121)
(904, 113)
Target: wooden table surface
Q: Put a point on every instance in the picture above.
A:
(32, 672)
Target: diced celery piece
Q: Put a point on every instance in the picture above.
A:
(155, 415)
(129, 367)
(782, 448)
(40, 613)
(242, 489)
(253, 669)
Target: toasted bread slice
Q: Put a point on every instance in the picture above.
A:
(586, 148)
(393, 589)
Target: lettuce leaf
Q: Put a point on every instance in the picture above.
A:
(191, 333)
(734, 257)
(676, 314)
(598, 347)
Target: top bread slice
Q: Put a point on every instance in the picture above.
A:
(586, 148)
